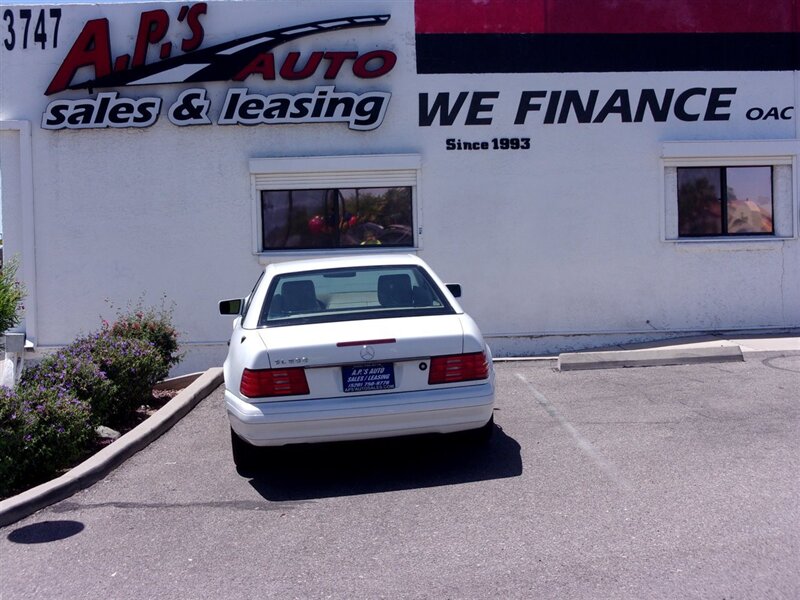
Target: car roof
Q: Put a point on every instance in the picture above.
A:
(344, 262)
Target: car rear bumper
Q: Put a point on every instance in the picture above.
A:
(356, 417)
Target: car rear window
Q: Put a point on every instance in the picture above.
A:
(352, 294)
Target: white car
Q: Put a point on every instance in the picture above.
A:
(353, 348)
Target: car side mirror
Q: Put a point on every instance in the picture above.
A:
(455, 289)
(230, 307)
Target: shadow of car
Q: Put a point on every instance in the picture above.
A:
(315, 471)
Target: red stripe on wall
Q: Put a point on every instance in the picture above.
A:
(480, 16)
(606, 16)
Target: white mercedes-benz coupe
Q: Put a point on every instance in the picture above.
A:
(353, 348)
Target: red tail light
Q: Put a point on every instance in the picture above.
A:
(262, 383)
(458, 367)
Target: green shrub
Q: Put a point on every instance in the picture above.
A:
(114, 375)
(48, 421)
(133, 367)
(13, 429)
(11, 294)
(42, 430)
(152, 325)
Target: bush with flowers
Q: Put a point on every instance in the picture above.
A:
(113, 374)
(152, 325)
(42, 430)
(48, 421)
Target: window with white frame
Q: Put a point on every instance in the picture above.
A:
(728, 190)
(337, 202)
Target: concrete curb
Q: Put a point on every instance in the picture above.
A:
(575, 361)
(101, 464)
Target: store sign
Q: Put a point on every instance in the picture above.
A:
(235, 60)
(550, 107)
(561, 107)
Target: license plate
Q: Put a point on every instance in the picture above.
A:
(368, 378)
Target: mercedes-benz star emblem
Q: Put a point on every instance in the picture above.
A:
(367, 352)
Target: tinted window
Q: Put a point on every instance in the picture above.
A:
(337, 218)
(716, 201)
(352, 294)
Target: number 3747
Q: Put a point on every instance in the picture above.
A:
(27, 27)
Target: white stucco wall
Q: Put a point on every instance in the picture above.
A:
(558, 246)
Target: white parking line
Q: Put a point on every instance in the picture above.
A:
(605, 466)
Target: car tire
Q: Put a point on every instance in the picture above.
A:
(244, 454)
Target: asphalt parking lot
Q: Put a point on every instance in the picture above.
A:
(662, 482)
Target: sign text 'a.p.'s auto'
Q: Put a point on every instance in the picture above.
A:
(234, 61)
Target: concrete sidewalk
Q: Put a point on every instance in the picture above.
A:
(706, 348)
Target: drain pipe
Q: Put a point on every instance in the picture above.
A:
(25, 244)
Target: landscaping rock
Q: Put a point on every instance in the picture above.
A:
(107, 432)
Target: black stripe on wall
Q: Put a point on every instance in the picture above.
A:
(605, 53)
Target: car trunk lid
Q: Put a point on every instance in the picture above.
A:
(349, 342)
(364, 357)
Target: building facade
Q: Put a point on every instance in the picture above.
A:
(590, 171)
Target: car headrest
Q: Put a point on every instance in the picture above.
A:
(394, 290)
